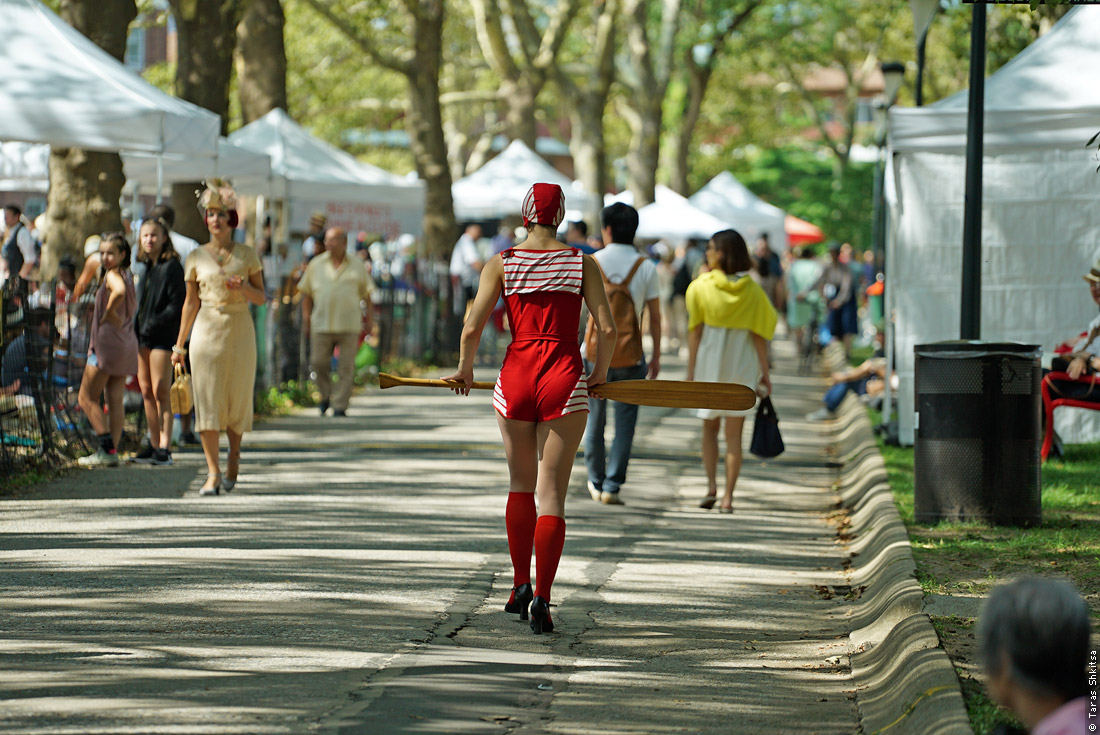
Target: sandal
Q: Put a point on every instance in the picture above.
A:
(708, 501)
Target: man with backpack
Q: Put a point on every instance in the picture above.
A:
(630, 280)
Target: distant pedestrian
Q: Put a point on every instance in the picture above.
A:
(576, 235)
(223, 277)
(803, 300)
(541, 394)
(18, 255)
(1034, 637)
(466, 265)
(622, 264)
(314, 244)
(334, 289)
(837, 286)
(113, 350)
(730, 323)
(160, 303)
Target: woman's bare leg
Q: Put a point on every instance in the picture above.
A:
(90, 398)
(734, 428)
(148, 396)
(116, 389)
(710, 453)
(233, 456)
(558, 441)
(160, 371)
(209, 441)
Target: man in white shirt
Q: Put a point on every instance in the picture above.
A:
(17, 248)
(334, 289)
(606, 474)
(466, 265)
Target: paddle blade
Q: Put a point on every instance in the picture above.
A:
(680, 394)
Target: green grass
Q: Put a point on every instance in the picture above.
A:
(972, 558)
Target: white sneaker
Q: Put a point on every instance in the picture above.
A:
(611, 499)
(595, 493)
(99, 458)
(821, 414)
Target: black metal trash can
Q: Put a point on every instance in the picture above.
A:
(978, 432)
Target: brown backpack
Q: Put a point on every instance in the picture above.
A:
(628, 345)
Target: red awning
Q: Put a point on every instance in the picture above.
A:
(801, 232)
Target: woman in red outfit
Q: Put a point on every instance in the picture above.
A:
(541, 396)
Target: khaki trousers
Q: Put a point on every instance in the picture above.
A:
(321, 345)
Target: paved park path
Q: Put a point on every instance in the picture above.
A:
(354, 583)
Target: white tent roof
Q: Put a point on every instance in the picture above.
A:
(306, 167)
(58, 87)
(1046, 97)
(25, 166)
(731, 201)
(497, 188)
(673, 217)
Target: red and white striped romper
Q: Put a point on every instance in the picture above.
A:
(542, 377)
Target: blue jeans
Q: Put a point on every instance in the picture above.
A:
(836, 393)
(607, 474)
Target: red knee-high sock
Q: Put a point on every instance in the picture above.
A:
(549, 540)
(520, 517)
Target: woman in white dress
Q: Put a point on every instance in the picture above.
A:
(730, 323)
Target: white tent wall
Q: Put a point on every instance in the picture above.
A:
(1039, 235)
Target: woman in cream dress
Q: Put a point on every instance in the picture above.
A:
(223, 278)
(730, 323)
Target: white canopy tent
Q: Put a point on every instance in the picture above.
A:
(673, 217)
(311, 175)
(25, 166)
(497, 189)
(58, 87)
(1040, 231)
(728, 199)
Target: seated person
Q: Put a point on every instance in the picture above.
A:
(868, 379)
(1034, 642)
(1084, 359)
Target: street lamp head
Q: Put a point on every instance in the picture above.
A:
(893, 73)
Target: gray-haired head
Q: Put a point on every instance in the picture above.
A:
(1039, 628)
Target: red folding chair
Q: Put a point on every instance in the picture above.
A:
(1052, 399)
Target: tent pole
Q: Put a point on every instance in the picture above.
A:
(971, 322)
(160, 177)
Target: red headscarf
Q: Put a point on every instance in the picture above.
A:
(544, 205)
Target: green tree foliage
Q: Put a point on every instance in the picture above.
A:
(803, 183)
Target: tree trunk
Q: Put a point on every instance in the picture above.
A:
(698, 78)
(207, 35)
(645, 151)
(587, 146)
(649, 74)
(425, 126)
(261, 59)
(519, 116)
(85, 186)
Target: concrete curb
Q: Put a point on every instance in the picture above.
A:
(904, 681)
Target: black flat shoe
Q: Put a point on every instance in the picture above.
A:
(520, 599)
(708, 502)
(540, 617)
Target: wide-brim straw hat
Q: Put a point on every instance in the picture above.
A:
(1093, 276)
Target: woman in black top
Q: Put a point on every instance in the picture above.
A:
(160, 302)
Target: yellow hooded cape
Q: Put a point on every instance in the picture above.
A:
(733, 303)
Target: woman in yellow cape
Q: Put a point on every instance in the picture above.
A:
(730, 322)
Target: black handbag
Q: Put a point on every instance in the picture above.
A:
(767, 442)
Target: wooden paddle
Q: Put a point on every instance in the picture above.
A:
(668, 393)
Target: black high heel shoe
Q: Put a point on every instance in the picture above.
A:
(540, 617)
(520, 599)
